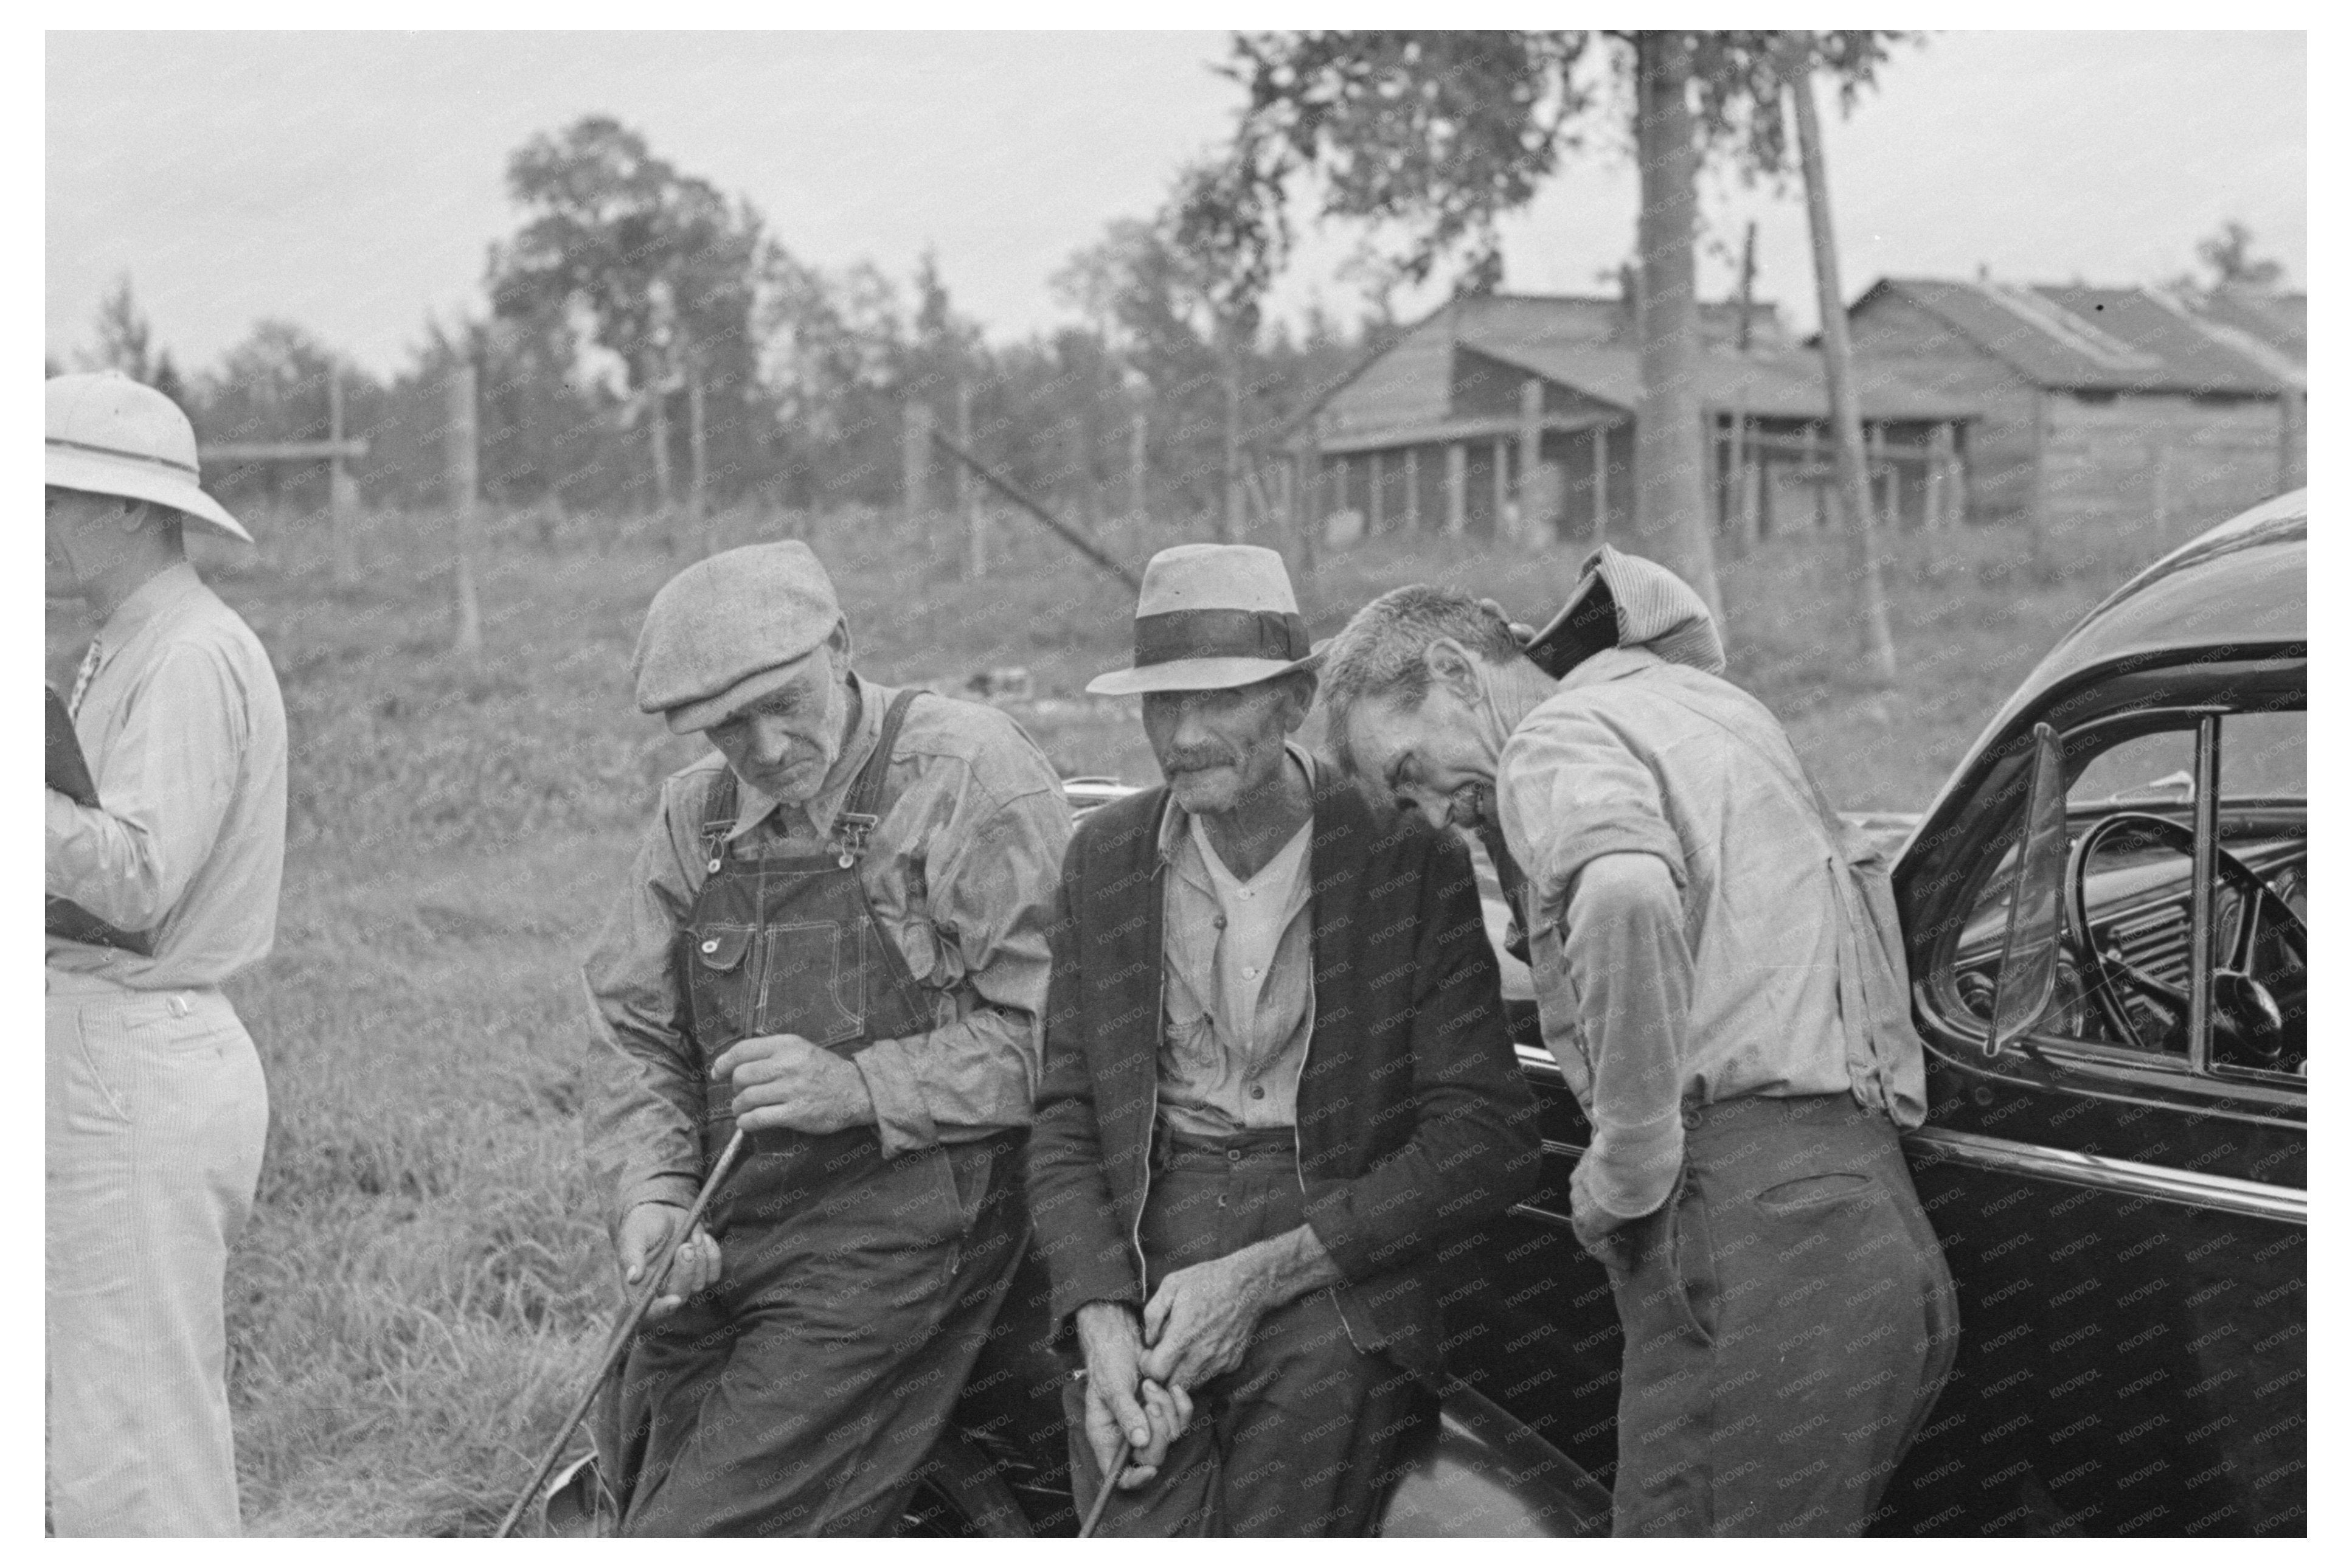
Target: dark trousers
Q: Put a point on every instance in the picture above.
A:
(1789, 1321)
(800, 1394)
(1303, 1437)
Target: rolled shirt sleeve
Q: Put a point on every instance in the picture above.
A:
(1570, 790)
(992, 887)
(169, 777)
(1627, 971)
(1586, 820)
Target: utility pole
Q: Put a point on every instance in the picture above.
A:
(1845, 410)
(465, 484)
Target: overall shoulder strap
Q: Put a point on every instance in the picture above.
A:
(719, 810)
(857, 815)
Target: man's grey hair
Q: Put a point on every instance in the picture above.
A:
(1379, 652)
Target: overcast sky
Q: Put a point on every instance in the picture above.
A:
(350, 182)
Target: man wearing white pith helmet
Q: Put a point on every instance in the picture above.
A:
(157, 893)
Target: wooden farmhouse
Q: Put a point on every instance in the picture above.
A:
(2109, 405)
(1513, 415)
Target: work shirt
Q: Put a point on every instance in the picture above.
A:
(1238, 982)
(960, 873)
(184, 732)
(1718, 978)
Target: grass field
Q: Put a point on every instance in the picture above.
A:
(424, 1278)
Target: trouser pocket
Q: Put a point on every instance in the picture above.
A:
(1663, 1268)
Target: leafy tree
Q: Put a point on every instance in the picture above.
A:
(125, 339)
(630, 256)
(1433, 136)
(2229, 262)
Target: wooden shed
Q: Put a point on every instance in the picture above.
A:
(1514, 414)
(2095, 404)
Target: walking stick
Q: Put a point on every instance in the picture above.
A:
(622, 1333)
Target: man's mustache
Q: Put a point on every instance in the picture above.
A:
(1193, 761)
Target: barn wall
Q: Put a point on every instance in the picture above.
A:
(2157, 458)
(1930, 355)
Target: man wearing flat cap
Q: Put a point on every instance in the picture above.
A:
(1276, 1082)
(834, 937)
(163, 882)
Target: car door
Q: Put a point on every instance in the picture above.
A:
(2120, 1193)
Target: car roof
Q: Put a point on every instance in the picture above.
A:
(2238, 583)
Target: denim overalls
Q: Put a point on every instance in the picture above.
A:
(799, 1396)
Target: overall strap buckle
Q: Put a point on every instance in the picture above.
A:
(851, 829)
(718, 820)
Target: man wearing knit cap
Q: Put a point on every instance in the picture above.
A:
(834, 937)
(1276, 1083)
(163, 882)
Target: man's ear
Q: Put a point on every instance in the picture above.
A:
(1301, 691)
(839, 640)
(1452, 667)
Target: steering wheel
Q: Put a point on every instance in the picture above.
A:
(2249, 1019)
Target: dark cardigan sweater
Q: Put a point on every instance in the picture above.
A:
(1414, 1126)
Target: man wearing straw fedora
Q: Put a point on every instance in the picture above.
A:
(1277, 1080)
(157, 891)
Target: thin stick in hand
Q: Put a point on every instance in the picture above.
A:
(623, 1333)
(1102, 1494)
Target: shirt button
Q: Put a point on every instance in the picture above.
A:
(1221, 923)
(1258, 1091)
(1232, 1156)
(1691, 1118)
(1248, 972)
(1248, 894)
(710, 946)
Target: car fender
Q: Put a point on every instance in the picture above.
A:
(1484, 1475)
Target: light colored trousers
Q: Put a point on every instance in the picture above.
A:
(156, 1115)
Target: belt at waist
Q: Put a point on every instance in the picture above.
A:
(1273, 1146)
(1836, 1120)
(81, 982)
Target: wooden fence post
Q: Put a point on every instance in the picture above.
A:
(975, 520)
(342, 493)
(697, 503)
(914, 476)
(1533, 528)
(1457, 489)
(465, 482)
(1306, 497)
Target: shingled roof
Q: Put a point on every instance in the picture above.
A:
(1789, 384)
(2086, 339)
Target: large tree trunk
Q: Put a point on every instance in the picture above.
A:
(1877, 637)
(1671, 521)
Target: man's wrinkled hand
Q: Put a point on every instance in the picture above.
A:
(1121, 1406)
(784, 1082)
(645, 1232)
(1200, 1321)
